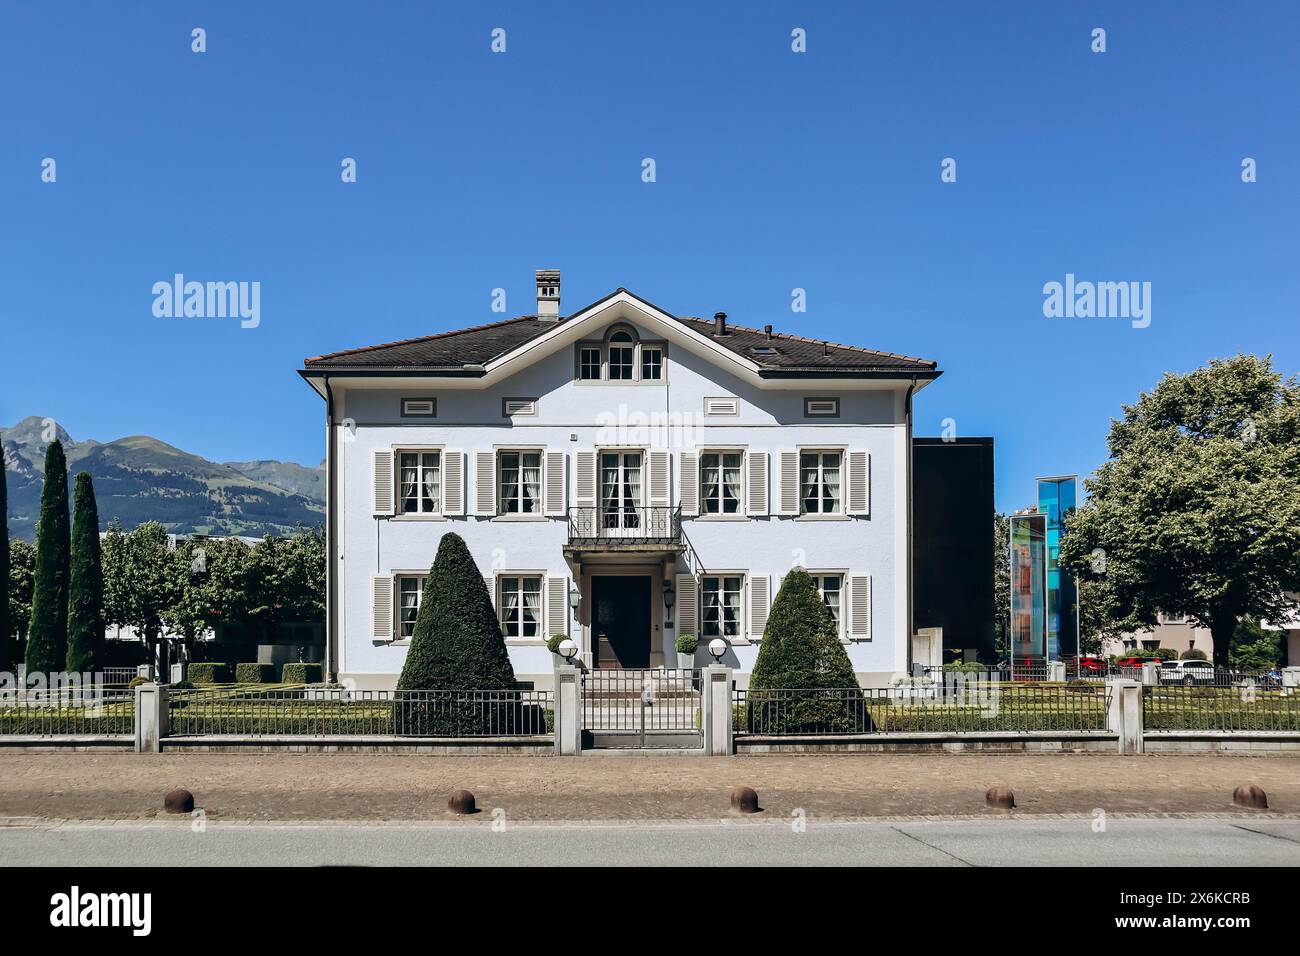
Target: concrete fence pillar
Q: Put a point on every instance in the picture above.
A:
(715, 707)
(568, 710)
(1056, 672)
(1151, 673)
(1124, 715)
(150, 717)
(1291, 680)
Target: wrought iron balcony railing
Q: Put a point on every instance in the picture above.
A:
(627, 524)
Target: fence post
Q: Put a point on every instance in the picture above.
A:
(150, 717)
(715, 707)
(1056, 672)
(568, 710)
(1124, 715)
(1151, 673)
(1290, 680)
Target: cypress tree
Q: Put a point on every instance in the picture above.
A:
(47, 637)
(85, 583)
(7, 662)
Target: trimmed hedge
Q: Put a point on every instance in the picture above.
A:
(304, 673)
(250, 672)
(209, 672)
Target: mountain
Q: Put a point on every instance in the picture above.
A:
(140, 479)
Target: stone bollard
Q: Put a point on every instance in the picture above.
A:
(1001, 798)
(150, 718)
(744, 800)
(1250, 795)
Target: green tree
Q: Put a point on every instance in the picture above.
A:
(47, 637)
(801, 645)
(288, 580)
(457, 644)
(140, 579)
(214, 583)
(1255, 647)
(85, 583)
(22, 570)
(1197, 510)
(8, 657)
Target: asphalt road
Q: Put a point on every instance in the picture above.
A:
(747, 842)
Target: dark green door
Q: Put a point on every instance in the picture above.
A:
(621, 620)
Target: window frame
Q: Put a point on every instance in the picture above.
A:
(603, 346)
(399, 500)
(741, 613)
(498, 602)
(819, 578)
(721, 450)
(821, 452)
(540, 510)
(421, 578)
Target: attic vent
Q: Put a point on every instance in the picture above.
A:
(518, 406)
(419, 407)
(764, 350)
(821, 407)
(721, 406)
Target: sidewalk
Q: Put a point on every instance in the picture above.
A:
(411, 788)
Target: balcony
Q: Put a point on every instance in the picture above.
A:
(626, 528)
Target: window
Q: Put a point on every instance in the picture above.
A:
(620, 490)
(520, 605)
(720, 482)
(420, 481)
(520, 490)
(621, 357)
(721, 593)
(652, 364)
(831, 589)
(819, 482)
(409, 591)
(621, 349)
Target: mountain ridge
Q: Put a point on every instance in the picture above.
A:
(139, 478)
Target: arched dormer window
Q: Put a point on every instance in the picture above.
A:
(621, 356)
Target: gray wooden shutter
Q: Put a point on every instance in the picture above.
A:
(453, 482)
(859, 483)
(688, 605)
(385, 490)
(757, 503)
(555, 483)
(789, 483)
(759, 602)
(860, 607)
(485, 483)
(659, 495)
(586, 483)
(381, 607)
(689, 492)
(557, 606)
(490, 582)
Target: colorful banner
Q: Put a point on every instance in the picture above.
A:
(1028, 586)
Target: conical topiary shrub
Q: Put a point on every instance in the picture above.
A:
(801, 657)
(457, 646)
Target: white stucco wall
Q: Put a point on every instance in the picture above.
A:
(577, 416)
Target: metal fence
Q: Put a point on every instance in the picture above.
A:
(68, 714)
(1242, 708)
(628, 524)
(957, 707)
(645, 700)
(340, 712)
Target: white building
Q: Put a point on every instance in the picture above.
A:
(621, 475)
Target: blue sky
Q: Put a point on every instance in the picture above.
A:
(775, 170)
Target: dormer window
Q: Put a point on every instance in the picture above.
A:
(621, 357)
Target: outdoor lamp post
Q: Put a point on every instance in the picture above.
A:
(717, 647)
(568, 650)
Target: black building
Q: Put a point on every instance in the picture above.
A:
(952, 543)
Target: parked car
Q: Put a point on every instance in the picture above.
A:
(1187, 672)
(1092, 665)
(1135, 661)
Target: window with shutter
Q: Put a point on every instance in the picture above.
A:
(586, 479)
(453, 482)
(859, 483)
(759, 603)
(383, 481)
(789, 483)
(757, 503)
(688, 602)
(689, 491)
(860, 607)
(381, 607)
(557, 606)
(555, 480)
(485, 502)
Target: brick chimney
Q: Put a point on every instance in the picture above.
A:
(548, 295)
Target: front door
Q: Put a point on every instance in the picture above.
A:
(620, 621)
